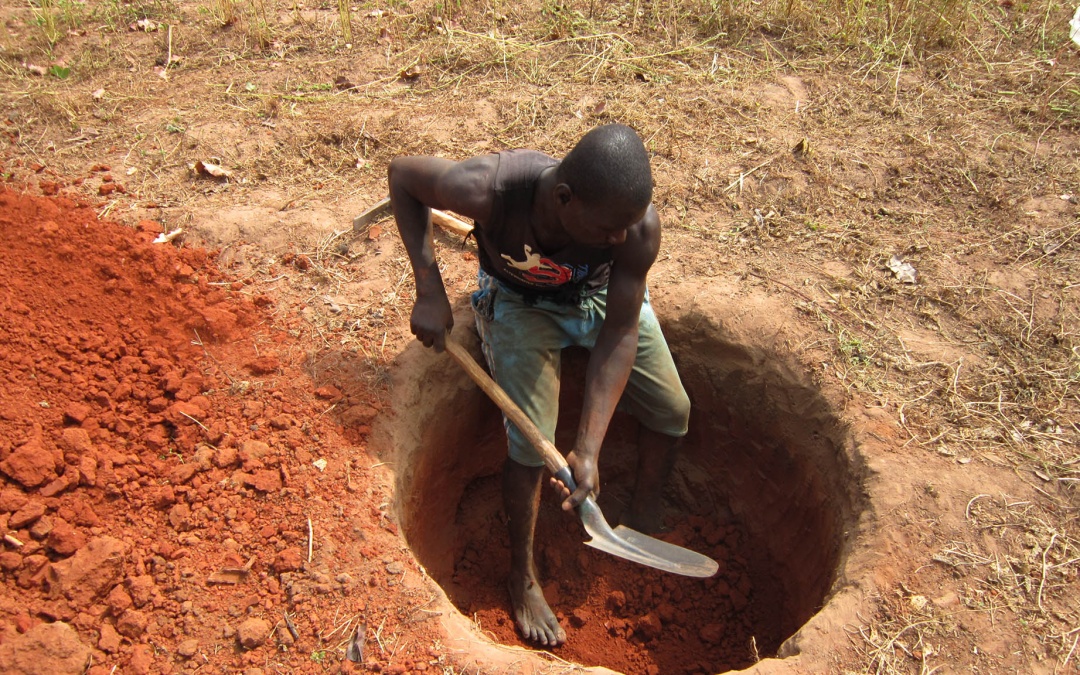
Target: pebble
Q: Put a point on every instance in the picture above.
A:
(31, 464)
(10, 561)
(12, 499)
(252, 633)
(26, 515)
(109, 641)
(188, 648)
(132, 623)
(52, 648)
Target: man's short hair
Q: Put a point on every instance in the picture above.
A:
(609, 165)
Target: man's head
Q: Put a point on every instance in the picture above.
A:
(604, 185)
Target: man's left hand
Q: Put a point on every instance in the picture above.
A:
(583, 466)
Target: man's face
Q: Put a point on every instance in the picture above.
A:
(598, 225)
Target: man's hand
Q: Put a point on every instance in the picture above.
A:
(431, 320)
(586, 474)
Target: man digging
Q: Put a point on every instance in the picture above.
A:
(565, 247)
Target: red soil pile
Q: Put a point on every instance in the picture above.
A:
(146, 444)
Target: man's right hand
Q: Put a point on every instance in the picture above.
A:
(431, 320)
(418, 184)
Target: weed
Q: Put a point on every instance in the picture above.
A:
(345, 17)
(46, 16)
(258, 23)
(852, 348)
(223, 12)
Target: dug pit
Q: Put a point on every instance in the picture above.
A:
(768, 484)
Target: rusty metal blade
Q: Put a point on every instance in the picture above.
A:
(371, 215)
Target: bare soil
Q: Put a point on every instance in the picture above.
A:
(225, 453)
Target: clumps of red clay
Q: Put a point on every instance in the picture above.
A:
(146, 444)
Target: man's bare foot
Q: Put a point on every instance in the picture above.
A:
(535, 619)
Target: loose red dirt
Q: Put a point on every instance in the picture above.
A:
(154, 431)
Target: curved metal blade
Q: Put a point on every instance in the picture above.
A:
(641, 548)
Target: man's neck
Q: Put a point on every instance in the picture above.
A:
(548, 230)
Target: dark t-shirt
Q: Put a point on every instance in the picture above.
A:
(508, 247)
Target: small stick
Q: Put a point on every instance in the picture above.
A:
(194, 420)
(168, 59)
(967, 511)
(1069, 655)
(310, 539)
(291, 627)
(738, 181)
(13, 541)
(1042, 581)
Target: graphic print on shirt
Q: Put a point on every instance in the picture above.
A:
(542, 271)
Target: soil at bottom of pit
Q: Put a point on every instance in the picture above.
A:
(618, 614)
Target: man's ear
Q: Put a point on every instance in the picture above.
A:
(563, 194)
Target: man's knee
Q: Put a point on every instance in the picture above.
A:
(679, 418)
(673, 419)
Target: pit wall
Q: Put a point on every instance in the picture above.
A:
(798, 482)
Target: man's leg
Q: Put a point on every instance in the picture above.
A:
(522, 345)
(656, 458)
(657, 398)
(521, 495)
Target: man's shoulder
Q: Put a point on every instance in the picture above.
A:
(521, 167)
(642, 243)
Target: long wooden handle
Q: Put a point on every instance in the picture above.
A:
(450, 223)
(553, 459)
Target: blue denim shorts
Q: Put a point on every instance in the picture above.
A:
(523, 344)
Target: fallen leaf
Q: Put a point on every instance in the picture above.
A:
(355, 650)
(904, 272)
(376, 13)
(98, 94)
(145, 25)
(411, 74)
(212, 170)
(341, 82)
(373, 232)
(231, 575)
(36, 70)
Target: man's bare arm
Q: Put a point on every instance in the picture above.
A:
(418, 184)
(613, 356)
